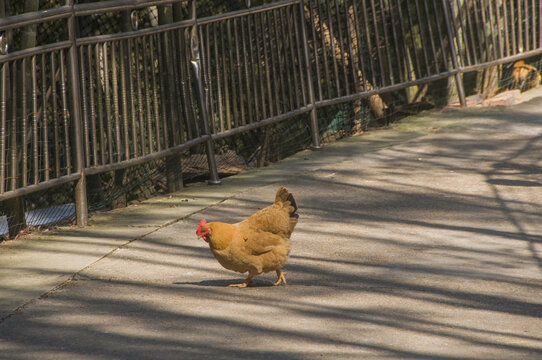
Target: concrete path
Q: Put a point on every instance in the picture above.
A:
(420, 242)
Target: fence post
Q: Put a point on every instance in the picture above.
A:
(453, 50)
(314, 118)
(81, 208)
(204, 109)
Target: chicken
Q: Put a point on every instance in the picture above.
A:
(525, 76)
(259, 244)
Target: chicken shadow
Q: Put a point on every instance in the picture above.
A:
(223, 283)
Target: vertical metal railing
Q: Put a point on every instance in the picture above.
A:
(204, 109)
(454, 54)
(254, 67)
(315, 133)
(81, 206)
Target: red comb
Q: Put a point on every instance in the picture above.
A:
(201, 223)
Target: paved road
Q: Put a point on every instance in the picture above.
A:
(420, 242)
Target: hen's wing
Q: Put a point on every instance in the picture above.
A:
(258, 242)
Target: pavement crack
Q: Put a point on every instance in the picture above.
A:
(45, 295)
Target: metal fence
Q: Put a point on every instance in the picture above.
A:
(88, 99)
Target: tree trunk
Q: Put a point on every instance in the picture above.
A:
(174, 173)
(118, 185)
(165, 14)
(28, 34)
(411, 91)
(177, 12)
(451, 88)
(489, 78)
(488, 81)
(119, 175)
(126, 21)
(358, 122)
(376, 103)
(173, 162)
(452, 95)
(16, 219)
(265, 146)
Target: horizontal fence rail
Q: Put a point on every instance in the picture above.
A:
(108, 85)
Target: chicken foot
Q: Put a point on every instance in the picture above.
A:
(247, 282)
(280, 275)
(281, 278)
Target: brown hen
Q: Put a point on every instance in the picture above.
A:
(259, 244)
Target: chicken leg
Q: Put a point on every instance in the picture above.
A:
(247, 282)
(281, 278)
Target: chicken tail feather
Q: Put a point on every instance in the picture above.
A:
(283, 195)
